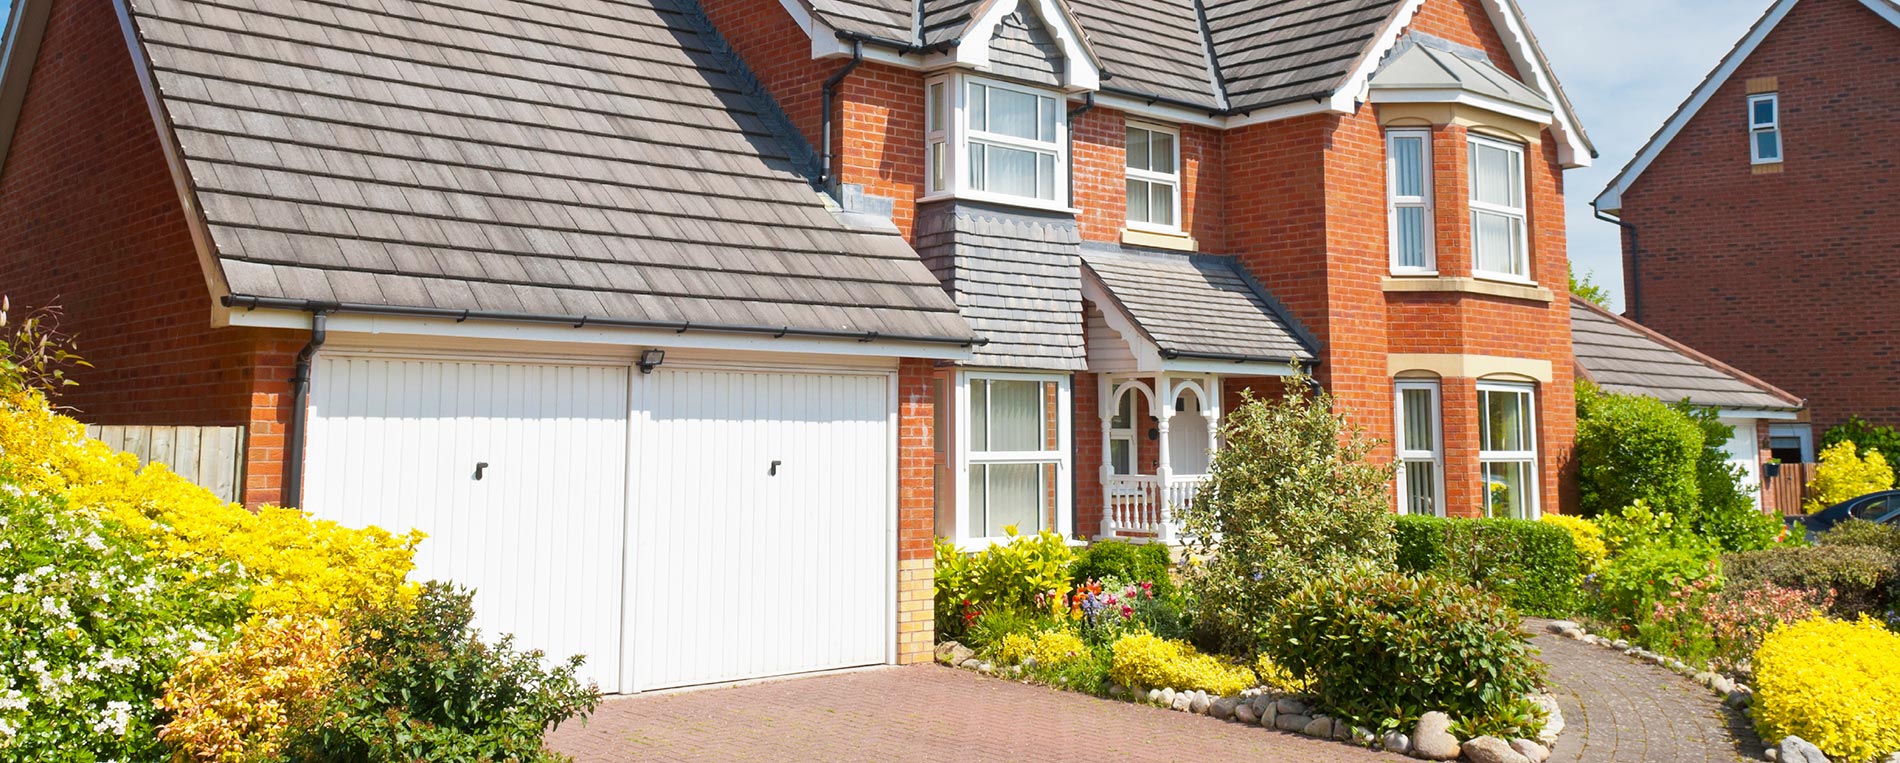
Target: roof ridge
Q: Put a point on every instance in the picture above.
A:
(1216, 78)
(1691, 352)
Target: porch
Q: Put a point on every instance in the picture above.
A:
(1159, 436)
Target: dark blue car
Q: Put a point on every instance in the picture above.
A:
(1882, 507)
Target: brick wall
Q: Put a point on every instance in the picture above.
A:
(916, 510)
(1772, 272)
(1100, 158)
(90, 221)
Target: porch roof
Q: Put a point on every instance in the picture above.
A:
(1621, 355)
(1196, 306)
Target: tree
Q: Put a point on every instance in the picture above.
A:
(1726, 512)
(1589, 290)
(1632, 448)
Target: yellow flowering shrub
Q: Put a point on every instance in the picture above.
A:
(302, 565)
(1014, 647)
(1592, 552)
(1145, 661)
(1058, 648)
(1843, 474)
(1271, 674)
(235, 706)
(1833, 683)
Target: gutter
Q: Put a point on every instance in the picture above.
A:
(1235, 357)
(243, 302)
(1633, 278)
(300, 410)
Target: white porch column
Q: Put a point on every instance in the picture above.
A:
(1163, 407)
(1211, 409)
(1105, 408)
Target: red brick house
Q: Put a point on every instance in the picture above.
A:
(1761, 213)
(634, 304)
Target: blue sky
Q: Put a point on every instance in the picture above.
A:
(1626, 64)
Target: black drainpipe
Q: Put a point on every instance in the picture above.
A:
(300, 410)
(830, 93)
(1088, 105)
(1635, 280)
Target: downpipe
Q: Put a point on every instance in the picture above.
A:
(300, 410)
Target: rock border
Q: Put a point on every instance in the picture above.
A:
(1431, 737)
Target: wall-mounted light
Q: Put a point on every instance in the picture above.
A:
(651, 359)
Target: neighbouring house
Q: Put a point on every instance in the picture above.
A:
(1760, 215)
(1621, 355)
(667, 319)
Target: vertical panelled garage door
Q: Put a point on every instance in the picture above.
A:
(762, 525)
(539, 534)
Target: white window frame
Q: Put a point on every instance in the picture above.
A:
(1770, 127)
(1435, 456)
(952, 162)
(1394, 201)
(1532, 508)
(1520, 215)
(1157, 178)
(967, 458)
(1134, 396)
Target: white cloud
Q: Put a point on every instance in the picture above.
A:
(1626, 65)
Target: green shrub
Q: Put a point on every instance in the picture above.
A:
(1290, 496)
(1860, 532)
(1843, 475)
(1532, 565)
(1632, 448)
(1645, 574)
(1126, 562)
(1380, 648)
(1861, 577)
(1725, 510)
(1865, 436)
(420, 685)
(1026, 572)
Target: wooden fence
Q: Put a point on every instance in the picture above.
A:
(1784, 492)
(212, 457)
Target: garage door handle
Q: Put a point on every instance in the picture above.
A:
(480, 466)
(773, 472)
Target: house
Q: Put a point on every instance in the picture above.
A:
(667, 318)
(1759, 214)
(1623, 356)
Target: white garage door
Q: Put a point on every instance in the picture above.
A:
(538, 531)
(762, 526)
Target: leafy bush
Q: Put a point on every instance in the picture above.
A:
(1860, 532)
(1725, 510)
(1024, 573)
(1113, 559)
(1641, 576)
(1833, 683)
(1378, 647)
(1150, 662)
(241, 703)
(1632, 448)
(1586, 537)
(93, 624)
(1866, 436)
(1861, 578)
(418, 684)
(1843, 475)
(1532, 565)
(1290, 496)
(1051, 648)
(1740, 616)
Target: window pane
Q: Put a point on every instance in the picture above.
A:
(1015, 416)
(1763, 112)
(979, 166)
(1008, 170)
(1506, 427)
(979, 107)
(936, 165)
(1161, 204)
(1048, 110)
(1768, 144)
(1418, 420)
(1137, 201)
(1506, 486)
(1120, 455)
(1124, 412)
(1162, 146)
(1408, 166)
(1421, 487)
(1410, 231)
(1013, 113)
(1493, 175)
(1496, 239)
(979, 415)
(1012, 498)
(1137, 148)
(936, 107)
(1046, 176)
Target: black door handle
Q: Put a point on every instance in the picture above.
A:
(773, 472)
(479, 467)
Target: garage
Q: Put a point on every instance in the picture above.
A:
(686, 526)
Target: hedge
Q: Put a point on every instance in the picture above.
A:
(1532, 565)
(1863, 578)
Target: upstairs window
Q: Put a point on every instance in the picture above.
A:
(1409, 195)
(1154, 178)
(1764, 128)
(995, 141)
(1498, 240)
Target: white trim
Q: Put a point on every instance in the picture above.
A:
(1803, 432)
(958, 135)
(1436, 456)
(1611, 199)
(1080, 71)
(1573, 147)
(1519, 215)
(1152, 178)
(1148, 358)
(1463, 97)
(1750, 413)
(1137, 108)
(18, 53)
(1423, 201)
(346, 323)
(1354, 91)
(1534, 478)
(1771, 127)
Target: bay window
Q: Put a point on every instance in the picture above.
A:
(1409, 200)
(1153, 178)
(1016, 454)
(1498, 238)
(1764, 128)
(995, 141)
(1507, 450)
(1420, 449)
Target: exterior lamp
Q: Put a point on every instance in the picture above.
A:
(651, 359)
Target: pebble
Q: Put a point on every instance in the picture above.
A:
(1432, 739)
(1489, 749)
(1245, 714)
(1291, 722)
(1794, 749)
(1223, 708)
(1397, 741)
(1532, 751)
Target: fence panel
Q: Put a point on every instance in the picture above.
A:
(1786, 491)
(211, 457)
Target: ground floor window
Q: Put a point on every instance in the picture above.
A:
(1015, 447)
(1507, 450)
(1421, 455)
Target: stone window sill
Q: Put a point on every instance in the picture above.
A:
(1152, 240)
(1468, 285)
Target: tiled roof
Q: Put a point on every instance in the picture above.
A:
(1420, 64)
(1621, 355)
(1197, 305)
(1017, 277)
(1277, 51)
(596, 158)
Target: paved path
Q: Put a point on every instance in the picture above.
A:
(1621, 710)
(921, 713)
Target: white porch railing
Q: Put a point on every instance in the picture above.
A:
(1140, 507)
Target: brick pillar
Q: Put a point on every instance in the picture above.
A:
(916, 512)
(1088, 457)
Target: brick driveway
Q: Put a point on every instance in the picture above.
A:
(919, 713)
(1620, 710)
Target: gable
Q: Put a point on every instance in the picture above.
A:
(1611, 199)
(1023, 48)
